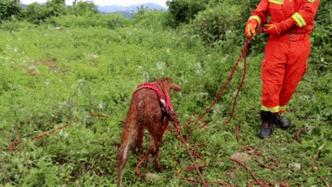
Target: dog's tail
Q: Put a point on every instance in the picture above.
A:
(127, 137)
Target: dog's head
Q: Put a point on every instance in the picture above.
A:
(167, 84)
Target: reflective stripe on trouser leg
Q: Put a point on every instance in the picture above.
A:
(273, 71)
(282, 109)
(296, 67)
(270, 109)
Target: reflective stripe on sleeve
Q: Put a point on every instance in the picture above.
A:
(278, 2)
(257, 18)
(299, 19)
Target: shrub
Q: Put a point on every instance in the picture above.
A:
(322, 38)
(183, 11)
(56, 7)
(113, 21)
(150, 19)
(37, 13)
(213, 23)
(83, 8)
(9, 8)
(15, 25)
(110, 21)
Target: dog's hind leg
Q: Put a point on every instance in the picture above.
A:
(139, 138)
(154, 151)
(158, 140)
(140, 163)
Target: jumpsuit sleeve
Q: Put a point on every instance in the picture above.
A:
(260, 13)
(306, 13)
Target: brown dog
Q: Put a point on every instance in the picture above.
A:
(149, 108)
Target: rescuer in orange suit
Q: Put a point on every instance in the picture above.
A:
(289, 24)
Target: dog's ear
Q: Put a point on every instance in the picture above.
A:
(176, 87)
(172, 85)
(168, 83)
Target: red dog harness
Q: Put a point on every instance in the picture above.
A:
(164, 98)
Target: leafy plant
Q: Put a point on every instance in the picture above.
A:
(9, 8)
(213, 24)
(183, 11)
(78, 72)
(83, 8)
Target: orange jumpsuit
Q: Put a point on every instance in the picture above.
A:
(285, 59)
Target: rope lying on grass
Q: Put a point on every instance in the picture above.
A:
(195, 182)
(15, 143)
(253, 175)
(50, 132)
(191, 151)
(18, 140)
(275, 164)
(298, 133)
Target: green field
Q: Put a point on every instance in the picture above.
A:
(79, 72)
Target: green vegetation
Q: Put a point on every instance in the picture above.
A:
(78, 68)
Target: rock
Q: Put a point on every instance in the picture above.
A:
(58, 28)
(240, 156)
(151, 177)
(92, 57)
(32, 70)
(282, 184)
(230, 174)
(295, 166)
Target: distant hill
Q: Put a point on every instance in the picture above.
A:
(123, 13)
(129, 9)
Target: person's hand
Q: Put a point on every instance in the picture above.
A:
(273, 29)
(250, 30)
(278, 28)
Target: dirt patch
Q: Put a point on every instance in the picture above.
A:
(50, 63)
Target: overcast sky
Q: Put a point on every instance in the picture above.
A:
(107, 2)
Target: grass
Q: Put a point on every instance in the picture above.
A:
(50, 76)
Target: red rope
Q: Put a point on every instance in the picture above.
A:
(223, 87)
(252, 174)
(191, 151)
(244, 56)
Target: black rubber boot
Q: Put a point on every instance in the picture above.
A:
(281, 121)
(267, 126)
